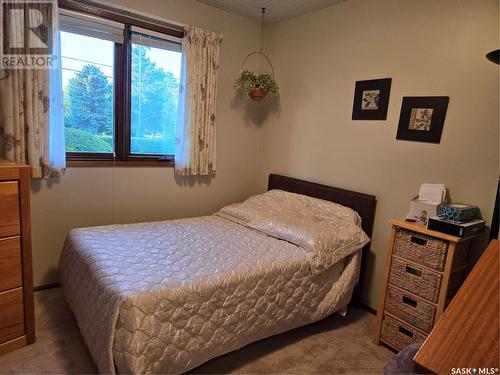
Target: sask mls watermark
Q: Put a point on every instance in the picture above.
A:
(27, 34)
(474, 370)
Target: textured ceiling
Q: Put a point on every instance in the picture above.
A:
(276, 10)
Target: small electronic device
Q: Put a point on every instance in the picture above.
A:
(456, 228)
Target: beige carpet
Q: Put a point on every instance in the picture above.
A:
(333, 345)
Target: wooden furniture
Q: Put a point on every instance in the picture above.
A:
(17, 324)
(363, 204)
(467, 334)
(424, 269)
(495, 225)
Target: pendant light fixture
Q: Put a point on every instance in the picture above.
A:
(257, 85)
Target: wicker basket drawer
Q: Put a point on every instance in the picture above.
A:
(398, 334)
(424, 250)
(411, 309)
(415, 279)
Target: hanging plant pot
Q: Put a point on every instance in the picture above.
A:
(256, 85)
(257, 94)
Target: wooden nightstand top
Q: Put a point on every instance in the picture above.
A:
(419, 228)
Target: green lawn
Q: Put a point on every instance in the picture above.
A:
(78, 140)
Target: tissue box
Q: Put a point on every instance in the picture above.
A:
(459, 212)
(421, 211)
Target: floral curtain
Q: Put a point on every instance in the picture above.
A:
(31, 112)
(195, 129)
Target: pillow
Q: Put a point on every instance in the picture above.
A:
(279, 200)
(329, 230)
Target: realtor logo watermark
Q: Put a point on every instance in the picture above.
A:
(474, 370)
(27, 28)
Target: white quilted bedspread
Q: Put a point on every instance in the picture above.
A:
(165, 297)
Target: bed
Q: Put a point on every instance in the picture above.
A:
(165, 297)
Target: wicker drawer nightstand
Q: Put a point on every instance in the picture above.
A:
(424, 269)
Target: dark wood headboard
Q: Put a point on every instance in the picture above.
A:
(363, 204)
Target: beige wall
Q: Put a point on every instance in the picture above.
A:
(428, 47)
(93, 196)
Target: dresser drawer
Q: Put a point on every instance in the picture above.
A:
(11, 314)
(413, 310)
(398, 334)
(10, 224)
(10, 263)
(416, 279)
(427, 251)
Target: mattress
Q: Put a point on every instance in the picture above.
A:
(165, 297)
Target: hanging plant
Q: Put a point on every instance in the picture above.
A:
(257, 86)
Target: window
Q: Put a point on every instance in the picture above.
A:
(155, 91)
(121, 88)
(88, 87)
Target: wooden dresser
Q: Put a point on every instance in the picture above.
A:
(17, 321)
(424, 269)
(467, 336)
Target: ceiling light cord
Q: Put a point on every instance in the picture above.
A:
(263, 12)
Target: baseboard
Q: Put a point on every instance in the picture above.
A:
(363, 306)
(46, 286)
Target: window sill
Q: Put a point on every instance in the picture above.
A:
(119, 163)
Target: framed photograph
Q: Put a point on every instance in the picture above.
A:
(371, 99)
(422, 118)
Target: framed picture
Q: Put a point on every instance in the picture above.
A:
(422, 118)
(371, 99)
